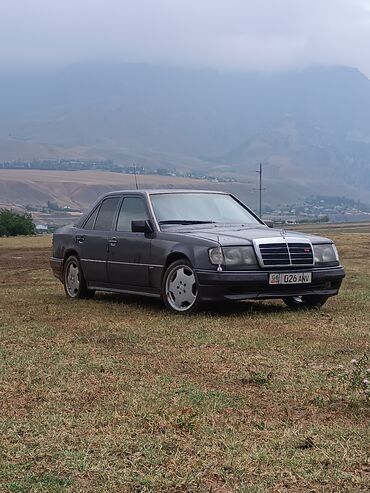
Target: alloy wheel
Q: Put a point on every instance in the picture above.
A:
(181, 288)
(72, 279)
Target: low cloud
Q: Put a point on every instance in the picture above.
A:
(263, 35)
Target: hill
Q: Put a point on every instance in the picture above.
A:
(75, 188)
(312, 127)
(78, 189)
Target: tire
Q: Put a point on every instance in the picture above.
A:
(180, 292)
(73, 280)
(308, 302)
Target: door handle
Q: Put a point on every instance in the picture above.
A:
(112, 241)
(80, 239)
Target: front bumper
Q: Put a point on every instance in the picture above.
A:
(249, 285)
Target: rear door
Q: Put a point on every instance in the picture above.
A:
(129, 253)
(93, 241)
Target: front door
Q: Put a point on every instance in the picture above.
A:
(92, 241)
(129, 253)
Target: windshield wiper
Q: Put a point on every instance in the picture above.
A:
(185, 221)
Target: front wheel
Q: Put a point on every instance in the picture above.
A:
(74, 281)
(180, 288)
(307, 302)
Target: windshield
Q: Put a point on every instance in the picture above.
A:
(199, 208)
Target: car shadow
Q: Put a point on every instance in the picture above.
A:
(219, 309)
(243, 307)
(131, 300)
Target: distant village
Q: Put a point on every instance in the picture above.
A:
(108, 165)
(311, 210)
(320, 209)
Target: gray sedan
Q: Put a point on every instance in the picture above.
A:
(187, 247)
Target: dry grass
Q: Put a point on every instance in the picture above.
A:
(117, 395)
(76, 188)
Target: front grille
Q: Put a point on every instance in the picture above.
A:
(300, 253)
(275, 253)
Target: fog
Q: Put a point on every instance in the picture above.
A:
(262, 35)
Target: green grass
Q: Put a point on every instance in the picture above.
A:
(117, 395)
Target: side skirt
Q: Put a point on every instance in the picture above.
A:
(124, 291)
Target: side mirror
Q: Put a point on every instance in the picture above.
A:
(141, 227)
(269, 223)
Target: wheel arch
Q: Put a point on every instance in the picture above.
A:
(173, 256)
(69, 253)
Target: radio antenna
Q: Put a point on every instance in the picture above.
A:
(135, 177)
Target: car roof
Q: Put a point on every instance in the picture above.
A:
(163, 191)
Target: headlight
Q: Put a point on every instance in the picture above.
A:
(233, 256)
(325, 254)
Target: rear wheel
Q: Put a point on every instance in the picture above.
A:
(180, 287)
(307, 302)
(74, 282)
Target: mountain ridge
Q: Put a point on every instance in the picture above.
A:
(298, 121)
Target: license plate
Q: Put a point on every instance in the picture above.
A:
(290, 278)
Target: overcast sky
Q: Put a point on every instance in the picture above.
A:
(223, 34)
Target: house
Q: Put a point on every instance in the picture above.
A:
(41, 229)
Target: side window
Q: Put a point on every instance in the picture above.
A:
(104, 221)
(90, 222)
(132, 209)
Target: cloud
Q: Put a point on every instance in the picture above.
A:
(223, 34)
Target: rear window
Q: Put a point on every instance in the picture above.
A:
(104, 220)
(89, 224)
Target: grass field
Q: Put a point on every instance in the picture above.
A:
(117, 395)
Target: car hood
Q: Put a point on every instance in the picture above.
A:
(244, 235)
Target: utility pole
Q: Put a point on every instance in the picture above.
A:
(259, 171)
(135, 177)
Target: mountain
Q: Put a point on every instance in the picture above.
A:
(306, 154)
(310, 127)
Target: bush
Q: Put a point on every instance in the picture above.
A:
(13, 224)
(355, 377)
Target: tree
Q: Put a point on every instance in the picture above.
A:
(53, 206)
(13, 224)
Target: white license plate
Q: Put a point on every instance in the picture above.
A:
(290, 278)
